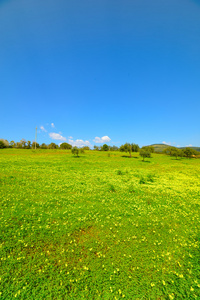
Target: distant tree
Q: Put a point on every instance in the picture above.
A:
(189, 152)
(105, 147)
(85, 148)
(19, 145)
(28, 145)
(135, 148)
(5, 142)
(148, 148)
(96, 148)
(175, 152)
(52, 146)
(65, 146)
(43, 146)
(82, 150)
(126, 148)
(33, 145)
(2, 145)
(75, 151)
(12, 144)
(114, 148)
(145, 153)
(23, 142)
(169, 150)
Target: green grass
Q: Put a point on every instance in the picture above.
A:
(98, 227)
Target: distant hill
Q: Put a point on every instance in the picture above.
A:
(161, 147)
(195, 148)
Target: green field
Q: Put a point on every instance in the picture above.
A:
(99, 226)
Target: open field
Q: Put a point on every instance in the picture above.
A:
(99, 227)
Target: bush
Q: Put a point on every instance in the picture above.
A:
(119, 172)
(65, 146)
(75, 151)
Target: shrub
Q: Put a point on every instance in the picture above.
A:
(119, 172)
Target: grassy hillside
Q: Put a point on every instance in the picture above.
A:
(98, 227)
(195, 148)
(160, 147)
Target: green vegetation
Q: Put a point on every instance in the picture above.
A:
(145, 153)
(98, 227)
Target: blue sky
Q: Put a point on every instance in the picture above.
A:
(127, 71)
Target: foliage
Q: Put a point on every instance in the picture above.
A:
(5, 143)
(114, 148)
(52, 146)
(43, 146)
(65, 146)
(12, 144)
(33, 145)
(85, 148)
(28, 145)
(189, 152)
(97, 148)
(129, 148)
(148, 149)
(2, 145)
(145, 153)
(75, 151)
(105, 147)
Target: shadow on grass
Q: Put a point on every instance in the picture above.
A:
(129, 156)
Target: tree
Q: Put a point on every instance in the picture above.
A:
(149, 148)
(52, 146)
(114, 148)
(28, 145)
(43, 146)
(169, 150)
(65, 146)
(175, 152)
(75, 151)
(145, 153)
(105, 147)
(2, 145)
(5, 142)
(12, 144)
(189, 152)
(135, 148)
(96, 148)
(126, 148)
(19, 145)
(23, 142)
(33, 145)
(85, 148)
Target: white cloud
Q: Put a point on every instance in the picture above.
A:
(43, 129)
(52, 125)
(70, 137)
(102, 140)
(166, 143)
(188, 145)
(79, 143)
(57, 136)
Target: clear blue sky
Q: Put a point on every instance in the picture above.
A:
(128, 70)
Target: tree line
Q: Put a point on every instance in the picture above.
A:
(127, 148)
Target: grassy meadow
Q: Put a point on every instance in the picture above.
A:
(100, 226)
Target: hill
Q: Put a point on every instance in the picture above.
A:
(161, 147)
(194, 148)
